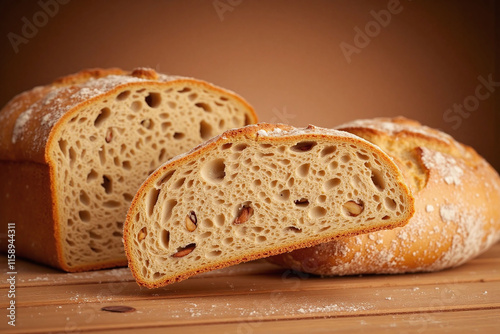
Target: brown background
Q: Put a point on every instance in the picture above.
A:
(282, 56)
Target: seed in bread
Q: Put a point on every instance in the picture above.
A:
(258, 191)
(74, 153)
(457, 197)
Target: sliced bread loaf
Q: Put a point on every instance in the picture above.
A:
(74, 153)
(258, 191)
(457, 213)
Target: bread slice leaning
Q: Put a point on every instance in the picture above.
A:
(73, 154)
(258, 191)
(457, 212)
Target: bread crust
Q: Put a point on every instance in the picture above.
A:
(242, 135)
(31, 121)
(457, 215)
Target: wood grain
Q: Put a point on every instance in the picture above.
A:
(258, 297)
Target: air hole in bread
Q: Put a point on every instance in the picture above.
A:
(165, 126)
(219, 220)
(290, 182)
(332, 183)
(126, 165)
(167, 209)
(327, 151)
(226, 146)
(303, 170)
(153, 100)
(111, 204)
(147, 123)
(92, 175)
(123, 95)
(293, 229)
(136, 106)
(240, 147)
(265, 146)
(63, 146)
(192, 96)
(165, 238)
(228, 241)
(333, 165)
(206, 130)
(317, 212)
(321, 199)
(165, 179)
(390, 203)
(303, 202)
(179, 135)
(171, 105)
(214, 171)
(303, 146)
(128, 197)
(102, 155)
(378, 179)
(261, 238)
(162, 156)
(386, 218)
(93, 235)
(184, 90)
(205, 235)
(71, 156)
(214, 253)
(102, 117)
(84, 198)
(84, 216)
(205, 106)
(151, 200)
(178, 183)
(284, 195)
(345, 158)
(362, 156)
(107, 184)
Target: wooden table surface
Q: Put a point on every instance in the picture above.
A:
(258, 297)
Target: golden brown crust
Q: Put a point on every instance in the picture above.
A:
(253, 132)
(457, 216)
(32, 119)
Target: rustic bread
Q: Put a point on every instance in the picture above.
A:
(258, 191)
(457, 197)
(74, 153)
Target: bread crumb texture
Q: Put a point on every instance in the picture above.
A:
(103, 133)
(456, 201)
(258, 191)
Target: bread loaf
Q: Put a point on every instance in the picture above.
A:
(74, 153)
(258, 191)
(457, 197)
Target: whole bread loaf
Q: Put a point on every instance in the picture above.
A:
(74, 153)
(457, 203)
(258, 191)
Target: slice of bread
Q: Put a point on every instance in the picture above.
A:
(457, 212)
(74, 153)
(258, 191)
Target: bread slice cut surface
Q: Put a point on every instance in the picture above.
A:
(101, 133)
(258, 191)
